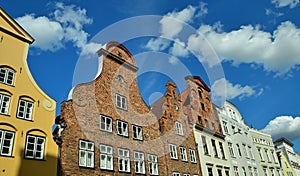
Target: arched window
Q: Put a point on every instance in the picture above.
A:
(5, 97)
(7, 75)
(25, 108)
(35, 144)
(7, 136)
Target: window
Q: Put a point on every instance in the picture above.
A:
(265, 171)
(173, 151)
(200, 94)
(6, 142)
(245, 151)
(121, 102)
(124, 160)
(193, 156)
(34, 147)
(105, 123)
(179, 128)
(25, 109)
(219, 172)
(222, 150)
(250, 152)
(226, 172)
(206, 123)
(274, 157)
(236, 171)
(200, 120)
(231, 149)
(137, 132)
(244, 171)
(204, 145)
(86, 154)
(255, 171)
(250, 170)
(7, 76)
(209, 171)
(272, 172)
(186, 175)
(175, 174)
(139, 162)
(260, 154)
(106, 157)
(183, 153)
(239, 150)
(278, 172)
(153, 164)
(4, 103)
(122, 128)
(202, 106)
(215, 152)
(225, 127)
(213, 126)
(267, 154)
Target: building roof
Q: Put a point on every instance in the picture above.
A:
(285, 140)
(11, 27)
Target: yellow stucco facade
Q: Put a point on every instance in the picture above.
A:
(26, 112)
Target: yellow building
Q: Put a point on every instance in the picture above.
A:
(285, 165)
(26, 112)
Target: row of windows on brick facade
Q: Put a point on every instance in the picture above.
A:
(122, 127)
(183, 153)
(25, 107)
(87, 156)
(34, 146)
(214, 148)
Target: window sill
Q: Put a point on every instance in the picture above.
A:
(35, 159)
(7, 156)
(25, 119)
(85, 167)
(121, 135)
(8, 115)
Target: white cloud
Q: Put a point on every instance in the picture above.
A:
(48, 34)
(284, 126)
(284, 3)
(65, 25)
(173, 60)
(271, 12)
(277, 52)
(178, 49)
(158, 44)
(223, 89)
(203, 10)
(172, 23)
(90, 48)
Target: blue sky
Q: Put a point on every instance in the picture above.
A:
(246, 50)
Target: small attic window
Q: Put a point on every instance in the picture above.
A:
(120, 79)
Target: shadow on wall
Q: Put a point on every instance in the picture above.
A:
(33, 167)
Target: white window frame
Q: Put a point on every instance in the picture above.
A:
(122, 128)
(179, 128)
(27, 111)
(222, 150)
(86, 153)
(260, 154)
(268, 156)
(231, 151)
(183, 153)
(214, 147)
(175, 173)
(38, 146)
(139, 162)
(137, 132)
(4, 140)
(104, 124)
(236, 170)
(205, 146)
(173, 151)
(186, 175)
(153, 164)
(123, 160)
(6, 76)
(121, 102)
(192, 156)
(4, 103)
(106, 157)
(225, 126)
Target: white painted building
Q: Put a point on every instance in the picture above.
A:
(239, 141)
(265, 152)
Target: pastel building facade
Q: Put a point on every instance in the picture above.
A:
(290, 159)
(26, 112)
(243, 161)
(264, 150)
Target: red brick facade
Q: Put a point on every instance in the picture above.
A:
(114, 97)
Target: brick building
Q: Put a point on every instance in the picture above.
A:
(107, 129)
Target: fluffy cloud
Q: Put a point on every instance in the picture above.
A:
(223, 89)
(284, 3)
(90, 48)
(158, 44)
(178, 49)
(65, 25)
(284, 126)
(277, 52)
